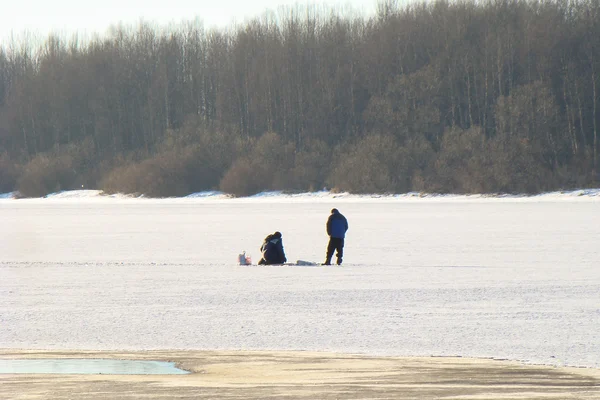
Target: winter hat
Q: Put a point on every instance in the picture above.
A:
(334, 211)
(277, 234)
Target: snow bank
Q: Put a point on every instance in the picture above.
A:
(324, 195)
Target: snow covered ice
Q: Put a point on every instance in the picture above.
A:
(504, 277)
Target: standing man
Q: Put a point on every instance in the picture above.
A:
(337, 225)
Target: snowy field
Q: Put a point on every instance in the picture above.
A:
(505, 277)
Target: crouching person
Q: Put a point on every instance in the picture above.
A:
(272, 250)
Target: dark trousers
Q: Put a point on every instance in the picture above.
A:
(335, 244)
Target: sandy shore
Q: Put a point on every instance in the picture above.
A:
(303, 375)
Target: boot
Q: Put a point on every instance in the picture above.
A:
(327, 261)
(339, 261)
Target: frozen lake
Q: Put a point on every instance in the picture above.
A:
(511, 278)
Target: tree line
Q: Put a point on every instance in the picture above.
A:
(495, 96)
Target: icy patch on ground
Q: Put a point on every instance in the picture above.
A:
(85, 366)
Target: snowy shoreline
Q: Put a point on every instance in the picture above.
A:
(579, 195)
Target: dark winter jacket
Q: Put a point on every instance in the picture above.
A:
(272, 250)
(337, 225)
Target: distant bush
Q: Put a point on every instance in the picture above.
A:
(579, 174)
(267, 167)
(46, 174)
(311, 166)
(191, 159)
(156, 177)
(9, 172)
(276, 158)
(245, 177)
(71, 166)
(460, 165)
(517, 167)
(468, 162)
(374, 164)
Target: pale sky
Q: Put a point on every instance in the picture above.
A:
(65, 17)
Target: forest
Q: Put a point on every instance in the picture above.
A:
(492, 96)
